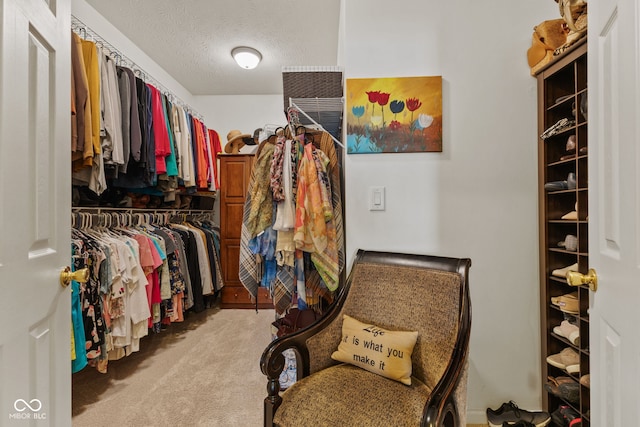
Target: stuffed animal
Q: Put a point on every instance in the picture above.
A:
(547, 37)
(574, 13)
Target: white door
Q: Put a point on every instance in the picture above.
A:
(35, 187)
(614, 211)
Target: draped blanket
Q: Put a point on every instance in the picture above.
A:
(312, 176)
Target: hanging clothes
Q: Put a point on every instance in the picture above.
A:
(294, 190)
(79, 354)
(129, 136)
(139, 280)
(124, 89)
(111, 131)
(202, 164)
(81, 120)
(87, 162)
(182, 136)
(216, 148)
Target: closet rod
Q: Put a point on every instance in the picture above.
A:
(84, 217)
(98, 210)
(293, 104)
(80, 27)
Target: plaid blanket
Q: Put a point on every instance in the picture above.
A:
(329, 263)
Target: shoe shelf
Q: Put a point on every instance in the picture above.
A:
(563, 227)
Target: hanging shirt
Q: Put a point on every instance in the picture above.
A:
(82, 103)
(161, 137)
(135, 130)
(92, 66)
(186, 150)
(112, 147)
(124, 89)
(172, 166)
(216, 148)
(201, 155)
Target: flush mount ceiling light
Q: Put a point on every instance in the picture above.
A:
(246, 57)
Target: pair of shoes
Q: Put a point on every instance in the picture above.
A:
(568, 331)
(565, 416)
(185, 203)
(565, 388)
(558, 127)
(585, 380)
(569, 184)
(562, 272)
(571, 143)
(509, 414)
(87, 197)
(570, 147)
(568, 303)
(567, 359)
(570, 243)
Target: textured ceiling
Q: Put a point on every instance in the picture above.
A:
(192, 39)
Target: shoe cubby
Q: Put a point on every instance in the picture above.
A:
(558, 232)
(582, 177)
(584, 335)
(563, 216)
(582, 141)
(557, 153)
(583, 205)
(583, 238)
(560, 203)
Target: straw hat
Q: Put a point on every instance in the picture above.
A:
(235, 141)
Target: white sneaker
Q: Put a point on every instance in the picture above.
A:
(568, 331)
(562, 272)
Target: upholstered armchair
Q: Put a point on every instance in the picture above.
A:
(397, 292)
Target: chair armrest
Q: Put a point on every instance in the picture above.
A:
(442, 401)
(272, 361)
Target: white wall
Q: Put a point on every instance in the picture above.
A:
(478, 198)
(243, 112)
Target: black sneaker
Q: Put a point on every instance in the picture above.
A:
(510, 414)
(518, 424)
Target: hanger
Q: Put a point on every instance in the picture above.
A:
(272, 139)
(308, 139)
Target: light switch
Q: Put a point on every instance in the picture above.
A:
(376, 198)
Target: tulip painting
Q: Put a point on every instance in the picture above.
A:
(416, 122)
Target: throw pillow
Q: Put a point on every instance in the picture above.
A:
(378, 350)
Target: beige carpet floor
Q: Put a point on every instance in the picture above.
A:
(203, 372)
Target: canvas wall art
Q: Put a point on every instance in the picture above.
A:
(394, 115)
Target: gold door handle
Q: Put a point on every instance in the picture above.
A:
(575, 278)
(66, 276)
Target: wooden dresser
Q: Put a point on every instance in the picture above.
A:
(235, 173)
